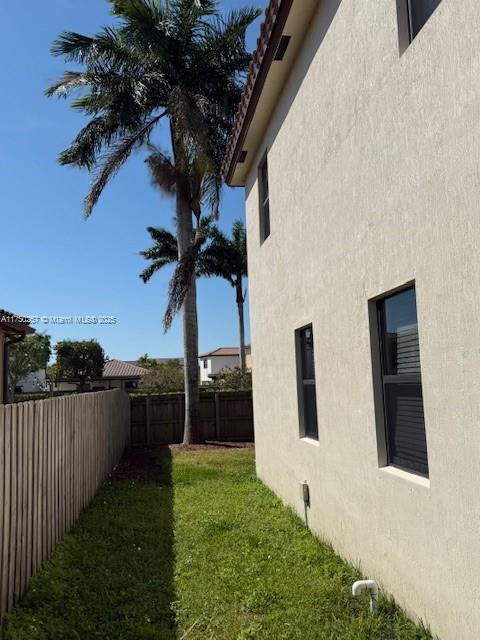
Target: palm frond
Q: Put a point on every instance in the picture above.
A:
(162, 253)
(147, 26)
(152, 269)
(73, 46)
(180, 284)
(162, 171)
(192, 16)
(67, 83)
(137, 10)
(115, 158)
(163, 238)
(212, 192)
(230, 29)
(82, 152)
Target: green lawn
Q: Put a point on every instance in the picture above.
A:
(193, 547)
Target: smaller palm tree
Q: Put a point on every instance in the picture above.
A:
(216, 256)
(226, 258)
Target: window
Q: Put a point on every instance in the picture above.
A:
(401, 382)
(264, 209)
(205, 364)
(416, 12)
(306, 383)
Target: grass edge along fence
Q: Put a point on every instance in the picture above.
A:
(54, 454)
(225, 416)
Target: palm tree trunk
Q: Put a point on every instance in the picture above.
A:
(190, 325)
(241, 324)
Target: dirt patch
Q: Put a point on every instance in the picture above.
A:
(141, 465)
(210, 446)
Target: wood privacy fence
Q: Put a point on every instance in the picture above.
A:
(53, 456)
(224, 417)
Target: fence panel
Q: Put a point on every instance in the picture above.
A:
(236, 417)
(53, 456)
(224, 417)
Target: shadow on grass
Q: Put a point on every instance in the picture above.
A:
(112, 577)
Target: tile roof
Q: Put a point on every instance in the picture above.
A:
(122, 369)
(276, 14)
(225, 351)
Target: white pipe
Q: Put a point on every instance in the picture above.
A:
(367, 585)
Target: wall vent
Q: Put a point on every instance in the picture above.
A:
(282, 48)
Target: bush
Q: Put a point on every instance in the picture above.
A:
(165, 377)
(233, 379)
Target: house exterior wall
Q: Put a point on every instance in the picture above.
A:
(205, 371)
(33, 382)
(374, 181)
(117, 383)
(216, 364)
(65, 386)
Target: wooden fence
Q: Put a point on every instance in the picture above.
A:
(53, 456)
(224, 417)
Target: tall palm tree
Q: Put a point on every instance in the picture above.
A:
(174, 63)
(217, 255)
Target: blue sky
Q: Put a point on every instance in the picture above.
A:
(54, 262)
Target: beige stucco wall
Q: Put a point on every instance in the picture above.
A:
(374, 179)
(2, 347)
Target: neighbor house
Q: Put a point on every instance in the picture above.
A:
(358, 144)
(213, 362)
(33, 382)
(117, 374)
(13, 329)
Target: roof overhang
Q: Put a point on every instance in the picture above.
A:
(265, 82)
(12, 324)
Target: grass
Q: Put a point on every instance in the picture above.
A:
(197, 549)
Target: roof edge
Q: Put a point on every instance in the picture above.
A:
(13, 323)
(276, 15)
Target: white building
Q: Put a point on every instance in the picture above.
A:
(34, 382)
(358, 144)
(215, 361)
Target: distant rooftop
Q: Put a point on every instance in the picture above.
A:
(225, 351)
(122, 369)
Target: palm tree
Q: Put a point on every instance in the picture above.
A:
(217, 255)
(174, 63)
(227, 258)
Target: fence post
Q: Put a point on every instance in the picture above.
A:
(149, 438)
(217, 416)
(181, 421)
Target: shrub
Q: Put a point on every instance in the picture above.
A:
(233, 379)
(164, 377)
